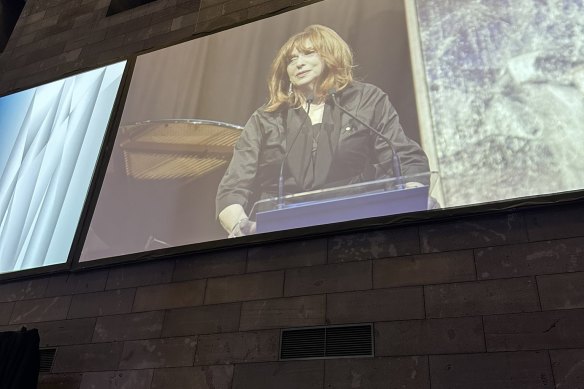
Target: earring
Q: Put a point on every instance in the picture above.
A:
(290, 90)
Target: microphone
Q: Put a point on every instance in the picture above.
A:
(309, 101)
(395, 161)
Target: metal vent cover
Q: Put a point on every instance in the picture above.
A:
(47, 356)
(327, 342)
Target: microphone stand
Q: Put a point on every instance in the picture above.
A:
(395, 161)
(281, 177)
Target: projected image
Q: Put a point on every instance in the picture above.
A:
(288, 122)
(50, 137)
(292, 144)
(345, 110)
(504, 82)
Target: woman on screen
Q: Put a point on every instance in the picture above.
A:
(301, 132)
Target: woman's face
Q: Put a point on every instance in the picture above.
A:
(304, 69)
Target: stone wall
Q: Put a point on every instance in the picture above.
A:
(493, 301)
(54, 38)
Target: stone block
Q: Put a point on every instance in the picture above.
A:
(46, 22)
(281, 375)
(452, 266)
(561, 291)
(481, 298)
(130, 326)
(167, 296)
(5, 312)
(527, 259)
(339, 277)
(116, 30)
(281, 313)
(473, 232)
(101, 303)
(245, 287)
(207, 319)
(434, 336)
(118, 54)
(259, 346)
(568, 368)
(76, 283)
(30, 311)
(142, 274)
(129, 379)
(374, 244)
(206, 265)
(87, 357)
(157, 353)
(65, 332)
(520, 370)
(184, 20)
(535, 331)
(377, 373)
(204, 377)
(59, 381)
(555, 222)
(287, 255)
(23, 290)
(375, 305)
(269, 8)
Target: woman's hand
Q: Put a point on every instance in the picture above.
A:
(243, 228)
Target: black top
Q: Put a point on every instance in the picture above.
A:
(346, 152)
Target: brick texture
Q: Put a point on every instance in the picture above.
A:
(130, 326)
(557, 222)
(283, 375)
(481, 298)
(434, 336)
(281, 313)
(239, 347)
(54, 308)
(370, 245)
(472, 232)
(488, 371)
(328, 279)
(562, 291)
(211, 377)
(377, 373)
(558, 256)
(165, 296)
(140, 275)
(202, 320)
(375, 305)
(101, 303)
(244, 287)
(568, 368)
(87, 357)
(287, 255)
(210, 265)
(168, 352)
(454, 266)
(117, 379)
(535, 331)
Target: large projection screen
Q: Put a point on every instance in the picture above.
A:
(491, 90)
(50, 139)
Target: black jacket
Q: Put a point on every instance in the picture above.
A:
(346, 152)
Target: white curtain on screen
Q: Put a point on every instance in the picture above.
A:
(50, 163)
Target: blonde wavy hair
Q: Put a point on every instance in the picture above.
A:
(336, 57)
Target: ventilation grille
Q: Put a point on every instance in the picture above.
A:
(47, 358)
(327, 342)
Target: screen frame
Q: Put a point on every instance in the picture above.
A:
(319, 231)
(96, 175)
